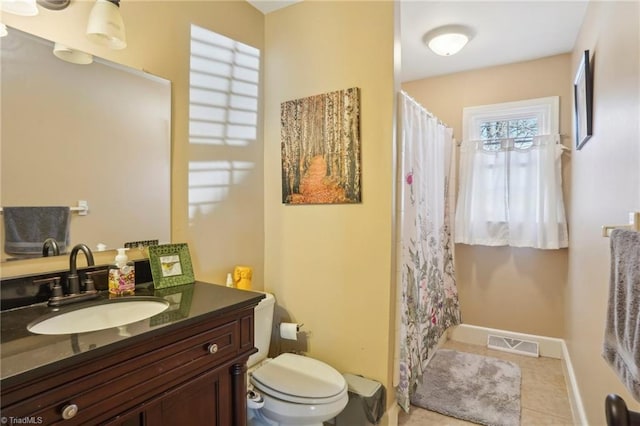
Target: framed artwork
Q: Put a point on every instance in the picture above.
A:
(320, 143)
(583, 102)
(170, 265)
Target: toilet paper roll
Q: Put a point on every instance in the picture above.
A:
(289, 330)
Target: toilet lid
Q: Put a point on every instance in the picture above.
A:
(300, 377)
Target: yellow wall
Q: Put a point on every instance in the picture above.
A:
(508, 288)
(329, 266)
(158, 37)
(606, 186)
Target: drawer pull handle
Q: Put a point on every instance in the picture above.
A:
(212, 348)
(69, 411)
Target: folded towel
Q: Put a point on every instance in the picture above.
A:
(26, 228)
(622, 329)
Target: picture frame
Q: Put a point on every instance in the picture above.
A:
(583, 102)
(170, 265)
(320, 149)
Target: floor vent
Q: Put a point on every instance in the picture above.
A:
(517, 346)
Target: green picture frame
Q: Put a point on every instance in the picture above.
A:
(170, 265)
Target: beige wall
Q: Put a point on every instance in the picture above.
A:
(508, 288)
(329, 266)
(606, 176)
(158, 37)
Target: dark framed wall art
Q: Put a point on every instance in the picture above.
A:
(583, 101)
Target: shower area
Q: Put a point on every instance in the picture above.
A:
(427, 297)
(502, 195)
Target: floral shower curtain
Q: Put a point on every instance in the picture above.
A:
(427, 293)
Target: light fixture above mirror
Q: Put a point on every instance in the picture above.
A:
(54, 4)
(448, 40)
(29, 7)
(20, 7)
(71, 55)
(106, 26)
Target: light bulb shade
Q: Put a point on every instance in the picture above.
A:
(20, 7)
(106, 26)
(3, 30)
(71, 55)
(448, 44)
(448, 40)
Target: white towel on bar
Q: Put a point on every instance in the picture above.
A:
(622, 331)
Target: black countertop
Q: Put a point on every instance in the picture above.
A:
(24, 355)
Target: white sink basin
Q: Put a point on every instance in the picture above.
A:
(111, 313)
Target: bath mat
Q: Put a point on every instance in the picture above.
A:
(471, 387)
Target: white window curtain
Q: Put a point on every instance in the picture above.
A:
(511, 196)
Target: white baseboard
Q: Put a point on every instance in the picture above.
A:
(577, 408)
(549, 347)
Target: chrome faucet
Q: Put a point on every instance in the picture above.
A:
(50, 243)
(73, 280)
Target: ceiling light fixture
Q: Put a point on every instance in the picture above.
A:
(20, 7)
(105, 25)
(3, 30)
(448, 40)
(72, 55)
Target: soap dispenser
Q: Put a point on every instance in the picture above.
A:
(230, 280)
(122, 275)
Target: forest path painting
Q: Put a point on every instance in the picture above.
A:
(320, 142)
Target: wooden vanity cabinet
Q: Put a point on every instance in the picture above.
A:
(191, 374)
(199, 402)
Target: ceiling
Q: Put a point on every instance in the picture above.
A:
(506, 31)
(266, 6)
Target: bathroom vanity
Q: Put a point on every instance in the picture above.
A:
(186, 365)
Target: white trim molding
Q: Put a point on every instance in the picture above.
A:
(546, 110)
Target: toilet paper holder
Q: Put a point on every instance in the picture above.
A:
(289, 330)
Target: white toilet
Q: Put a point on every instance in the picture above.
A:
(289, 389)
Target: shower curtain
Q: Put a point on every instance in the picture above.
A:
(427, 293)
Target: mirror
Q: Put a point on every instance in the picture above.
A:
(99, 133)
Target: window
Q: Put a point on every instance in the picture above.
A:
(520, 130)
(510, 181)
(520, 121)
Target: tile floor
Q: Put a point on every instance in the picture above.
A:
(544, 396)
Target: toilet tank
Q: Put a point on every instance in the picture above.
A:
(262, 324)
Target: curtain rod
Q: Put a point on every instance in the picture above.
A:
(419, 105)
(558, 137)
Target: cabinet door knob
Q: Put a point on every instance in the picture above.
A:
(212, 348)
(69, 411)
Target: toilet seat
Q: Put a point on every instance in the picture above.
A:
(299, 379)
